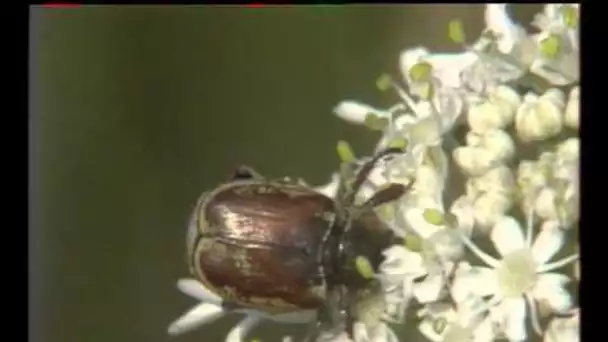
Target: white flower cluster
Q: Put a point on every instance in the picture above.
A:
(516, 166)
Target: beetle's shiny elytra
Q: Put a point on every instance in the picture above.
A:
(280, 246)
(259, 243)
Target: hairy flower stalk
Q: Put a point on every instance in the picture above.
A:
(513, 180)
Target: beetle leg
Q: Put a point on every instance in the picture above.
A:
(332, 315)
(246, 172)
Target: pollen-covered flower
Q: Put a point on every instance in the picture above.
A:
(521, 276)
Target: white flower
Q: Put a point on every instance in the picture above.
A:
(558, 59)
(462, 323)
(445, 67)
(439, 246)
(398, 271)
(564, 329)
(558, 62)
(557, 18)
(540, 118)
(420, 273)
(515, 49)
(211, 309)
(521, 275)
(498, 22)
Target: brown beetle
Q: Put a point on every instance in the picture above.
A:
(279, 246)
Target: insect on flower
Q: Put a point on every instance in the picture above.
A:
(281, 247)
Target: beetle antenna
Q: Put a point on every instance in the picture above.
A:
(364, 172)
(387, 194)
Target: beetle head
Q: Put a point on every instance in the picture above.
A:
(365, 236)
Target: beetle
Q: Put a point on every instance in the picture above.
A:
(279, 246)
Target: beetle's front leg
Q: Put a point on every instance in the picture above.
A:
(331, 317)
(246, 172)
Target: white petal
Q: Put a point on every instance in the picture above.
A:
(409, 58)
(499, 22)
(199, 315)
(401, 261)
(355, 112)
(547, 243)
(426, 131)
(196, 289)
(447, 67)
(480, 281)
(507, 235)
(462, 208)
(550, 288)
(239, 331)
(415, 218)
(515, 318)
(430, 288)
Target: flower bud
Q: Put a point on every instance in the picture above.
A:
(473, 139)
(474, 161)
(489, 115)
(508, 99)
(499, 144)
(539, 118)
(530, 174)
(569, 150)
(490, 207)
(545, 204)
(499, 179)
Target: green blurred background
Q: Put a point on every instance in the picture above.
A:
(137, 110)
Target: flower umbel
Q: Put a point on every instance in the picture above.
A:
(490, 151)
